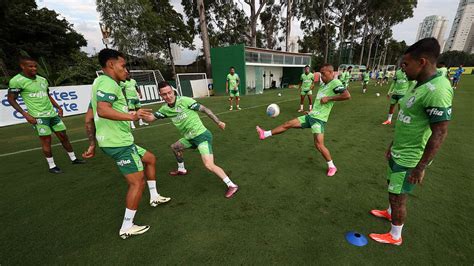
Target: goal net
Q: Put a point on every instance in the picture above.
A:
(147, 82)
(193, 85)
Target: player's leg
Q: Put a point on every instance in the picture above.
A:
(64, 139)
(230, 102)
(295, 123)
(136, 185)
(319, 144)
(178, 150)
(149, 164)
(310, 99)
(303, 94)
(208, 161)
(43, 129)
(237, 100)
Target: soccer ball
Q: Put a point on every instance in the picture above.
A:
(279, 94)
(378, 94)
(273, 110)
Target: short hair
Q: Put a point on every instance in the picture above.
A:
(24, 58)
(349, 68)
(306, 66)
(107, 54)
(427, 47)
(331, 67)
(232, 67)
(162, 84)
(442, 63)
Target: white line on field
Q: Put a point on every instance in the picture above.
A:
(141, 128)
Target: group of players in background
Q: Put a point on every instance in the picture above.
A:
(423, 94)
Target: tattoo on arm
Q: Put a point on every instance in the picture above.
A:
(439, 133)
(209, 113)
(90, 127)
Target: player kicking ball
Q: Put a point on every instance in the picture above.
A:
(420, 129)
(40, 110)
(332, 91)
(108, 122)
(183, 113)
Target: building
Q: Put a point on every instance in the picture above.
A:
(433, 26)
(461, 36)
(258, 68)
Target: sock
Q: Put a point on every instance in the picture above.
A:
(51, 163)
(132, 124)
(228, 182)
(152, 186)
(72, 156)
(310, 107)
(237, 106)
(181, 167)
(396, 231)
(267, 133)
(128, 219)
(301, 107)
(389, 118)
(389, 210)
(331, 164)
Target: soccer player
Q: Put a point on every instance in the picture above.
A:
(232, 87)
(386, 75)
(183, 113)
(40, 110)
(397, 90)
(421, 127)
(346, 77)
(306, 88)
(443, 70)
(132, 92)
(108, 122)
(457, 76)
(332, 91)
(365, 80)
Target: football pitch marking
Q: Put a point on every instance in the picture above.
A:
(141, 128)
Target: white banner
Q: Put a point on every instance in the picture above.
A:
(73, 100)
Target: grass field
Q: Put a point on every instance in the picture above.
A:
(287, 211)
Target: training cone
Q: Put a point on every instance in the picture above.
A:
(356, 239)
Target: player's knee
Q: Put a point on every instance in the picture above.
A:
(209, 166)
(320, 146)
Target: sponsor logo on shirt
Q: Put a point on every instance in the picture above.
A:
(179, 117)
(39, 94)
(435, 111)
(124, 162)
(404, 118)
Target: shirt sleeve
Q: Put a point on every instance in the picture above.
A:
(438, 104)
(14, 86)
(339, 88)
(191, 103)
(107, 92)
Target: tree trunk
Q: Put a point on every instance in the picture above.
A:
(173, 67)
(204, 36)
(363, 40)
(326, 32)
(376, 50)
(370, 50)
(288, 23)
(351, 52)
(341, 31)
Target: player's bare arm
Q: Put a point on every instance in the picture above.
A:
(211, 115)
(105, 110)
(439, 132)
(12, 97)
(227, 86)
(90, 131)
(55, 104)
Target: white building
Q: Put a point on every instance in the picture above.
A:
(461, 36)
(433, 26)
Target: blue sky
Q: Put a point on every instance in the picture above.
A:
(83, 14)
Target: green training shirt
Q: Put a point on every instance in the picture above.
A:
(322, 111)
(366, 76)
(426, 103)
(110, 133)
(233, 79)
(35, 94)
(400, 83)
(130, 89)
(184, 116)
(306, 81)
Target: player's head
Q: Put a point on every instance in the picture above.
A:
(113, 63)
(166, 92)
(28, 66)
(306, 69)
(460, 66)
(441, 64)
(327, 73)
(349, 69)
(232, 70)
(420, 57)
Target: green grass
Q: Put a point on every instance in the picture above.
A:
(287, 212)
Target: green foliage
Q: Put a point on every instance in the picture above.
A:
(456, 58)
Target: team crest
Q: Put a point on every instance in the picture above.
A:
(411, 101)
(178, 109)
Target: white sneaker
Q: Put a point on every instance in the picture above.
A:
(159, 200)
(141, 123)
(133, 231)
(132, 125)
(238, 107)
(230, 109)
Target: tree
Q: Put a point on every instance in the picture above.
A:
(271, 22)
(39, 32)
(253, 19)
(456, 58)
(204, 35)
